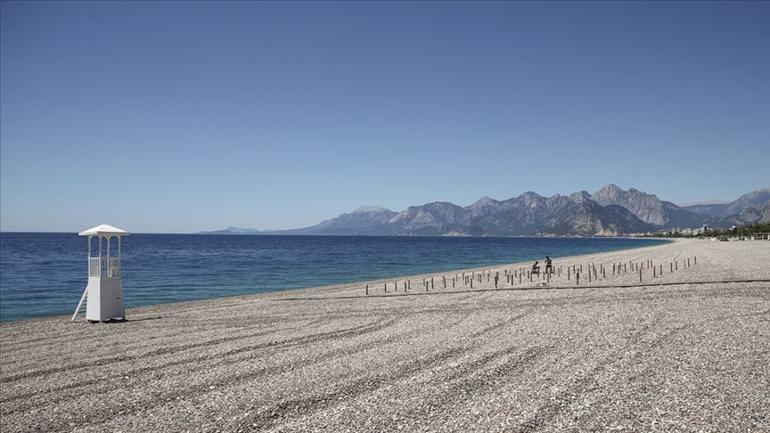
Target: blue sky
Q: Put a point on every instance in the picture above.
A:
(175, 117)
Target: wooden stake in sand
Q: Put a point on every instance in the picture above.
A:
(367, 290)
(577, 278)
(640, 275)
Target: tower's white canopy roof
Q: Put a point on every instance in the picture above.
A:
(103, 230)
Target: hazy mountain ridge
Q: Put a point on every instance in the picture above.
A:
(750, 208)
(610, 211)
(234, 231)
(750, 215)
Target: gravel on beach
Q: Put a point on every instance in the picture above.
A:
(686, 351)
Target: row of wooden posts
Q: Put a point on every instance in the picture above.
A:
(514, 275)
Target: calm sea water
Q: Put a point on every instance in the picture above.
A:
(45, 273)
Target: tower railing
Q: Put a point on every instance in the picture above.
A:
(103, 267)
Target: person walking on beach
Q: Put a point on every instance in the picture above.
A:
(536, 268)
(548, 266)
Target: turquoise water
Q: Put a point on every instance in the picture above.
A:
(44, 274)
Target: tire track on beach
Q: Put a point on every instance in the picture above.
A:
(664, 336)
(128, 373)
(461, 372)
(464, 381)
(86, 332)
(34, 342)
(167, 350)
(140, 343)
(547, 412)
(271, 414)
(480, 375)
(122, 358)
(101, 415)
(500, 324)
(222, 359)
(641, 351)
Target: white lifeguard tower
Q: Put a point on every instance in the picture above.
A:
(104, 293)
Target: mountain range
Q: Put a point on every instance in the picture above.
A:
(610, 211)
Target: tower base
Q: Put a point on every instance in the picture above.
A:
(105, 300)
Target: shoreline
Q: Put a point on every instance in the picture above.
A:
(682, 352)
(362, 283)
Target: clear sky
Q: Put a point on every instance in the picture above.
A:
(175, 117)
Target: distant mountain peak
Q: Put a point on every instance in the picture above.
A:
(484, 202)
(371, 209)
(486, 199)
(580, 196)
(646, 207)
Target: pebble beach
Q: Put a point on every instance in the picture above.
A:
(673, 337)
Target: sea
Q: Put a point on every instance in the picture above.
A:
(44, 274)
